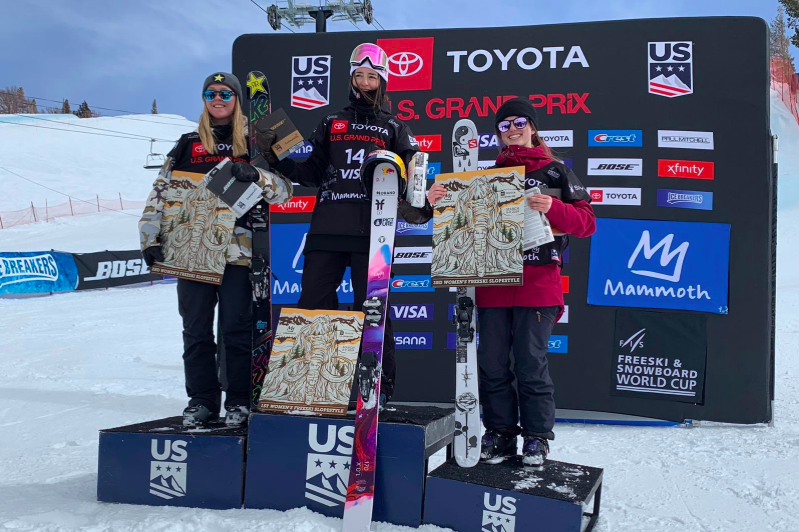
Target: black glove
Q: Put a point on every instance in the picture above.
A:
(245, 172)
(264, 140)
(152, 255)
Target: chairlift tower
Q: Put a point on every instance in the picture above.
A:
(297, 14)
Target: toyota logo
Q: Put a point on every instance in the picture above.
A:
(404, 64)
(339, 126)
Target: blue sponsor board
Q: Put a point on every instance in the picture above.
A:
(406, 229)
(288, 265)
(685, 199)
(37, 272)
(412, 283)
(652, 264)
(569, 163)
(433, 169)
(303, 151)
(411, 312)
(488, 141)
(413, 340)
(558, 343)
(622, 138)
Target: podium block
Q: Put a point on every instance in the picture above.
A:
(509, 498)
(296, 461)
(162, 463)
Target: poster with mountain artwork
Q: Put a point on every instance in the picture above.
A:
(313, 362)
(477, 228)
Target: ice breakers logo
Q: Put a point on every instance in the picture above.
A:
(407, 229)
(28, 269)
(498, 516)
(328, 464)
(168, 468)
(634, 341)
(527, 58)
(685, 199)
(671, 68)
(310, 79)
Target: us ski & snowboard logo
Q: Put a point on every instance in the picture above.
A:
(328, 464)
(168, 468)
(498, 515)
(671, 68)
(310, 81)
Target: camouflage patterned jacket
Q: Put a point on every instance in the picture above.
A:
(171, 204)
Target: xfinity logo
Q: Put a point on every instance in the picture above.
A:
(119, 268)
(168, 468)
(498, 515)
(297, 204)
(527, 58)
(686, 169)
(429, 142)
(634, 341)
(405, 64)
(615, 196)
(413, 255)
(696, 140)
(28, 269)
(620, 167)
(328, 464)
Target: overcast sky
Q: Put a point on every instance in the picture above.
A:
(122, 54)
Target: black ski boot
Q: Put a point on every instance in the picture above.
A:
(496, 447)
(198, 415)
(535, 451)
(236, 416)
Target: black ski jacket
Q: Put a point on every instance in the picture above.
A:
(340, 143)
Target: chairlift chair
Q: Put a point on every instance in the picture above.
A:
(154, 160)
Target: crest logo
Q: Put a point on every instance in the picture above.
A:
(671, 68)
(310, 81)
(168, 468)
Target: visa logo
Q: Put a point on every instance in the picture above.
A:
(412, 312)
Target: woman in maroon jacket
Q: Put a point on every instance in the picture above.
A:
(520, 318)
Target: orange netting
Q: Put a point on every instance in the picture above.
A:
(785, 83)
(72, 207)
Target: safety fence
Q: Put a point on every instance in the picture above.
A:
(785, 83)
(71, 207)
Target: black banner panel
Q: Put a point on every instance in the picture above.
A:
(106, 269)
(665, 121)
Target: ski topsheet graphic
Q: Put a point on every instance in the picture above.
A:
(465, 144)
(477, 229)
(466, 442)
(387, 169)
(313, 361)
(260, 107)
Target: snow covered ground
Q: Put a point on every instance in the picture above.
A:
(57, 390)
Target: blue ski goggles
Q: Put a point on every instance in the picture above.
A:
(224, 95)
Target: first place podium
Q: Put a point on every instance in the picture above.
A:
(296, 461)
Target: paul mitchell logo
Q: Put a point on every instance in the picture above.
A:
(328, 465)
(499, 514)
(696, 140)
(168, 468)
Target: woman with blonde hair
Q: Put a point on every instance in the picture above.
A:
(221, 134)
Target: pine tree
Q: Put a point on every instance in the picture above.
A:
(792, 10)
(32, 108)
(778, 40)
(83, 110)
(155, 108)
(65, 108)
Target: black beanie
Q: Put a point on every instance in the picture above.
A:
(517, 107)
(225, 79)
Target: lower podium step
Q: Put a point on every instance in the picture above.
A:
(296, 461)
(509, 498)
(163, 463)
